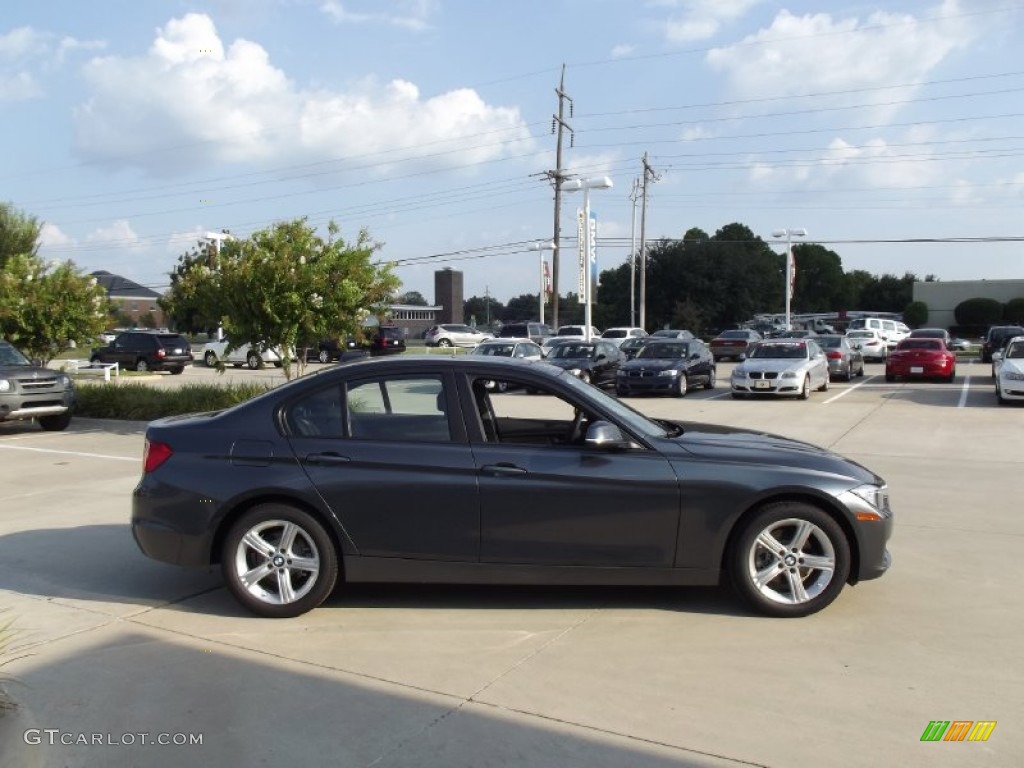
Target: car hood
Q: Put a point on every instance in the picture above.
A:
(25, 372)
(566, 363)
(651, 364)
(769, 364)
(1011, 366)
(744, 446)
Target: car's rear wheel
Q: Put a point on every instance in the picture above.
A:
(55, 423)
(712, 378)
(324, 356)
(210, 359)
(178, 371)
(790, 559)
(94, 359)
(952, 375)
(279, 561)
(141, 364)
(253, 361)
(890, 377)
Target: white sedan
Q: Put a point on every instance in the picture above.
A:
(784, 367)
(216, 351)
(1008, 367)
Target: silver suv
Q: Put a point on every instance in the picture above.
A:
(28, 391)
(455, 335)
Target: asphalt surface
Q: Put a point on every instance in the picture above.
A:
(113, 644)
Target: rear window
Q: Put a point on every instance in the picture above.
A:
(173, 340)
(734, 335)
(614, 333)
(390, 332)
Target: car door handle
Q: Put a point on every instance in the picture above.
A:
(502, 468)
(327, 458)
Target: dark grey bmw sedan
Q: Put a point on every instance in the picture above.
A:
(417, 469)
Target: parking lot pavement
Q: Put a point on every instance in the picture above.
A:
(453, 676)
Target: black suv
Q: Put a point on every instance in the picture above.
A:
(145, 351)
(996, 339)
(386, 340)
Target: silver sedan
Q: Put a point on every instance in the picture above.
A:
(785, 367)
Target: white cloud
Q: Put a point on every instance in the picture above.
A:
(407, 14)
(118, 234)
(622, 50)
(702, 19)
(213, 102)
(814, 52)
(25, 54)
(51, 236)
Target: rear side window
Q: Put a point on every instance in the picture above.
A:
(398, 409)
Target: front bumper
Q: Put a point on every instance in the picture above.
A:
(644, 385)
(780, 387)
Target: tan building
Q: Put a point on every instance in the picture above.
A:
(943, 296)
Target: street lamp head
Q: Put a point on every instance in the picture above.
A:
(795, 232)
(539, 246)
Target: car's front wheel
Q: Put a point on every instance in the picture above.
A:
(55, 423)
(253, 361)
(712, 378)
(791, 559)
(824, 384)
(805, 390)
(279, 561)
(444, 342)
(682, 385)
(210, 359)
(141, 365)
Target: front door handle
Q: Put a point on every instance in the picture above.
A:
(327, 458)
(502, 469)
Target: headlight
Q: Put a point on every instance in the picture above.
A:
(65, 381)
(5, 385)
(1009, 375)
(877, 497)
(738, 372)
(788, 375)
(670, 372)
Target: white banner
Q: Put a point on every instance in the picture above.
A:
(581, 238)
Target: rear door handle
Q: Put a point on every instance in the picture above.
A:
(328, 458)
(502, 469)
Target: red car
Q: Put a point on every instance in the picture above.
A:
(921, 358)
(733, 344)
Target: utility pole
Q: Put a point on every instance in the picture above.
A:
(648, 176)
(634, 195)
(559, 126)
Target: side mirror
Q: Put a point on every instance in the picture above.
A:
(695, 356)
(997, 356)
(606, 436)
(600, 356)
(743, 356)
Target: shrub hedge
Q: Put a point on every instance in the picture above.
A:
(140, 402)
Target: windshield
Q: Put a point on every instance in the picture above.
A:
(614, 333)
(734, 335)
(919, 344)
(572, 351)
(861, 335)
(495, 350)
(664, 351)
(11, 356)
(830, 341)
(795, 351)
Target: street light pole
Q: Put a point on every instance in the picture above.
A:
(789, 234)
(589, 260)
(540, 246)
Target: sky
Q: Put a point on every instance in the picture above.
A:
(134, 128)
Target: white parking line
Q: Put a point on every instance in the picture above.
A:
(848, 390)
(69, 453)
(964, 391)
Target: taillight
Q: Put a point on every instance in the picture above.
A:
(154, 454)
(833, 355)
(161, 352)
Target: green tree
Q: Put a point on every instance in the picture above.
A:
(484, 308)
(1013, 312)
(412, 298)
(19, 234)
(820, 284)
(915, 314)
(43, 307)
(519, 308)
(978, 311)
(285, 286)
(192, 303)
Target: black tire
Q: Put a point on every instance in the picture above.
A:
(55, 423)
(444, 342)
(94, 359)
(792, 591)
(890, 378)
(253, 361)
(324, 356)
(269, 522)
(860, 371)
(952, 375)
(141, 364)
(682, 386)
(824, 387)
(737, 395)
(999, 396)
(620, 392)
(210, 358)
(178, 371)
(805, 390)
(712, 379)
